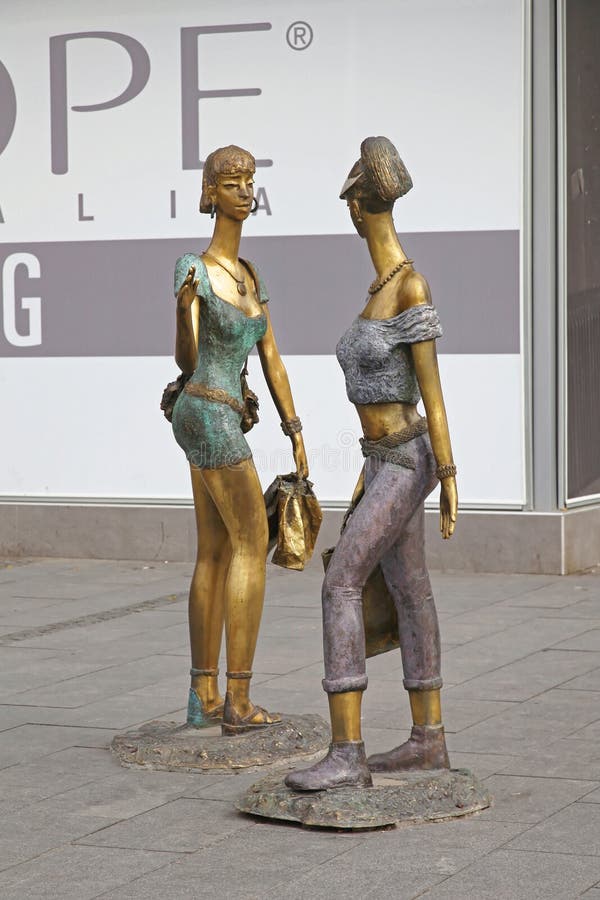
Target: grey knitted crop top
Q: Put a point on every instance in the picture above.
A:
(376, 358)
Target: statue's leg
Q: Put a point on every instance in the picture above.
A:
(406, 576)
(391, 497)
(206, 607)
(237, 495)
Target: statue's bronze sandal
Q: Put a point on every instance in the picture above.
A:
(234, 723)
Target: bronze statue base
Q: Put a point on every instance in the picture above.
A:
(408, 799)
(174, 747)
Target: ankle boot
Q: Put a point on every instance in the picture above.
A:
(345, 764)
(425, 749)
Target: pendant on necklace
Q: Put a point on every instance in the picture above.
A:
(241, 288)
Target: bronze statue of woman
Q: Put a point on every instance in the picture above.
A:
(221, 315)
(389, 360)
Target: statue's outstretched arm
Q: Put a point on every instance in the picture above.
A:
(279, 386)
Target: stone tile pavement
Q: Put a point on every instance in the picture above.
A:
(89, 647)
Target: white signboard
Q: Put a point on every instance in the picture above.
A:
(106, 113)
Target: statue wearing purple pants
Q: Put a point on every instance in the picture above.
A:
(389, 360)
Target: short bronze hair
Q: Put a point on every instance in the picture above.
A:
(229, 160)
(379, 177)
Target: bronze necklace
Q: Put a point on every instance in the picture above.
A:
(240, 282)
(377, 285)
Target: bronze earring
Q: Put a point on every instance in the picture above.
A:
(213, 210)
(254, 206)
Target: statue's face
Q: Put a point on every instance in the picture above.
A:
(234, 194)
(356, 216)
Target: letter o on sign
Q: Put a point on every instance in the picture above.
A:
(8, 105)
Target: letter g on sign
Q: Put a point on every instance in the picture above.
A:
(33, 305)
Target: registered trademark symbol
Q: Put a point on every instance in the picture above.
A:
(299, 35)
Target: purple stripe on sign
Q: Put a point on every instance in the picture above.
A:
(115, 298)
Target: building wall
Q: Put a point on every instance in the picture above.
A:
(97, 203)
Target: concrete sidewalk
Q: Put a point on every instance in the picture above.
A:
(89, 648)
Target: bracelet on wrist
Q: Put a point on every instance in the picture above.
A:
(291, 426)
(446, 471)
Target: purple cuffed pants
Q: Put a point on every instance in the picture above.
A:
(386, 527)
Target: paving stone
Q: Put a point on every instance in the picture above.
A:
(401, 862)
(575, 830)
(11, 716)
(386, 667)
(588, 609)
(529, 676)
(267, 694)
(588, 682)
(78, 873)
(491, 619)
(457, 713)
(65, 588)
(24, 835)
(224, 787)
(292, 625)
(590, 732)
(564, 758)
(589, 640)
(355, 884)
(559, 594)
(511, 732)
(180, 826)
(28, 742)
(530, 800)
(119, 796)
(293, 654)
(30, 669)
(247, 866)
(592, 797)
(103, 683)
(459, 630)
(519, 641)
(19, 660)
(482, 764)
(102, 634)
(307, 678)
(55, 773)
(521, 704)
(511, 875)
(378, 740)
(459, 593)
(39, 715)
(566, 708)
(120, 712)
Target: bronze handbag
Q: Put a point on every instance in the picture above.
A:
(250, 401)
(294, 518)
(379, 612)
(171, 393)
